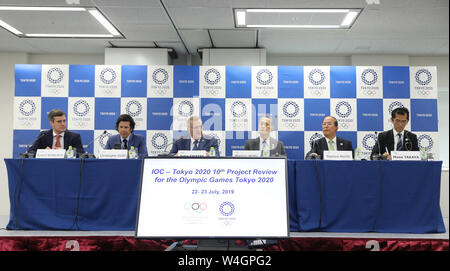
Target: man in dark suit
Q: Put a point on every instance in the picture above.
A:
(196, 141)
(329, 142)
(126, 138)
(57, 137)
(264, 141)
(396, 139)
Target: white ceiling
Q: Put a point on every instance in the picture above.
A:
(406, 27)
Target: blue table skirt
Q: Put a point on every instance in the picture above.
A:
(332, 196)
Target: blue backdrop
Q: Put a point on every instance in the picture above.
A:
(230, 100)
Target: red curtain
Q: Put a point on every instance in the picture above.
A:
(129, 243)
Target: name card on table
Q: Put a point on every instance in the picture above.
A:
(246, 153)
(405, 155)
(113, 154)
(50, 153)
(337, 155)
(192, 153)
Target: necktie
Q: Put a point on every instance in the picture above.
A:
(125, 146)
(58, 143)
(399, 143)
(195, 145)
(264, 147)
(331, 145)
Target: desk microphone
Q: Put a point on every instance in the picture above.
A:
(31, 155)
(86, 154)
(165, 153)
(378, 156)
(312, 155)
(408, 141)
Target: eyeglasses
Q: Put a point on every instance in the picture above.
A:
(400, 121)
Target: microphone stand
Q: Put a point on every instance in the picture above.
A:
(27, 154)
(378, 156)
(165, 153)
(408, 142)
(87, 154)
(313, 156)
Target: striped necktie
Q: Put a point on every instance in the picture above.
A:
(399, 143)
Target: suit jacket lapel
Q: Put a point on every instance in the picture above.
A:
(66, 140)
(131, 141)
(389, 141)
(49, 138)
(339, 144)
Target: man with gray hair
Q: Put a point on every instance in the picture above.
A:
(196, 141)
(57, 137)
(264, 141)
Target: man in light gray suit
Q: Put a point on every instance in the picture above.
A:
(264, 141)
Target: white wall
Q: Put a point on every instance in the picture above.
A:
(234, 57)
(136, 56)
(7, 61)
(292, 60)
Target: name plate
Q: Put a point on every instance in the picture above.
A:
(113, 154)
(337, 155)
(192, 153)
(246, 153)
(405, 155)
(50, 153)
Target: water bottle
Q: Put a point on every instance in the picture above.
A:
(423, 154)
(132, 154)
(266, 151)
(357, 154)
(70, 153)
(212, 152)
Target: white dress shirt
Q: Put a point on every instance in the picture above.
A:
(192, 143)
(396, 137)
(261, 141)
(61, 140)
(334, 143)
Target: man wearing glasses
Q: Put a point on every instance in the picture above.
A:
(396, 139)
(330, 142)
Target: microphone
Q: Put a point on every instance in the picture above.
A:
(312, 155)
(168, 154)
(378, 156)
(408, 141)
(86, 154)
(27, 154)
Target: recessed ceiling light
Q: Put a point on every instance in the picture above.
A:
(113, 32)
(296, 18)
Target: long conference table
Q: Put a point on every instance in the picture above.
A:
(329, 196)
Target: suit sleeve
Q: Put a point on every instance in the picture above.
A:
(108, 144)
(247, 145)
(311, 151)
(76, 143)
(143, 148)
(36, 143)
(174, 147)
(215, 144)
(415, 143)
(375, 149)
(283, 151)
(350, 148)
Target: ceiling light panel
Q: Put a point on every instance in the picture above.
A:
(296, 18)
(57, 22)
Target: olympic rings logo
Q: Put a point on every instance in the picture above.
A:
(195, 207)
